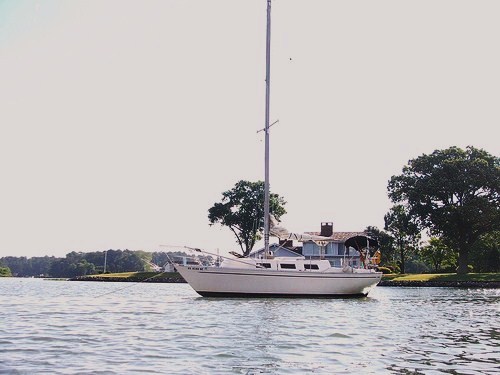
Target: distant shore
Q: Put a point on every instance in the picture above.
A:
(441, 284)
(419, 280)
(446, 280)
(134, 277)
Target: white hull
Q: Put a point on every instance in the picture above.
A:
(244, 282)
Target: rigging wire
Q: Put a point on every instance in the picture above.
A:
(209, 253)
(129, 286)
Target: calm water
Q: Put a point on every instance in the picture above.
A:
(60, 327)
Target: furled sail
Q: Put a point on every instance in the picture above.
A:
(284, 234)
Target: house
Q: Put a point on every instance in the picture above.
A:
(169, 267)
(341, 247)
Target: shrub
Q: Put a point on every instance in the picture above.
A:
(384, 270)
(393, 267)
(5, 272)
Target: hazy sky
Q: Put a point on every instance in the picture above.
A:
(121, 122)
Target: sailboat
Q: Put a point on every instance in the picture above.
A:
(270, 276)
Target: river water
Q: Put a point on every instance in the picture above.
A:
(63, 327)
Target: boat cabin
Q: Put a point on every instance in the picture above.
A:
(286, 263)
(294, 264)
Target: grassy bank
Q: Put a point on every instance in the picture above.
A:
(154, 277)
(471, 280)
(444, 277)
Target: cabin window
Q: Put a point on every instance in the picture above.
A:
(341, 248)
(265, 265)
(311, 266)
(329, 249)
(287, 266)
(310, 248)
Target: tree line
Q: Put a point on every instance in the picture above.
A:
(84, 263)
(434, 255)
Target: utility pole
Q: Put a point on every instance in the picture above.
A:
(105, 258)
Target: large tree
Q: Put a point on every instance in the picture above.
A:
(455, 193)
(485, 254)
(405, 230)
(242, 211)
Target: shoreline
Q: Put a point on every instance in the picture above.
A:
(440, 284)
(171, 278)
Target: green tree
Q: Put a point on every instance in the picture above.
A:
(485, 254)
(405, 231)
(40, 266)
(454, 193)
(128, 261)
(386, 246)
(83, 268)
(120, 261)
(97, 258)
(438, 254)
(19, 266)
(160, 258)
(242, 211)
(5, 272)
(60, 268)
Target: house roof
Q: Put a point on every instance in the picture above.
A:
(340, 236)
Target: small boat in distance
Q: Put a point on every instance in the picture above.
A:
(269, 276)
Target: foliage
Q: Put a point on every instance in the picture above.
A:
(438, 255)
(242, 211)
(445, 277)
(160, 258)
(138, 277)
(67, 267)
(123, 261)
(393, 266)
(405, 231)
(91, 263)
(24, 267)
(485, 254)
(75, 264)
(454, 193)
(5, 272)
(384, 270)
(386, 244)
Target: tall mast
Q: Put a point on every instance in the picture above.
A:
(266, 131)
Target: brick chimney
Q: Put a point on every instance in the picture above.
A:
(326, 229)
